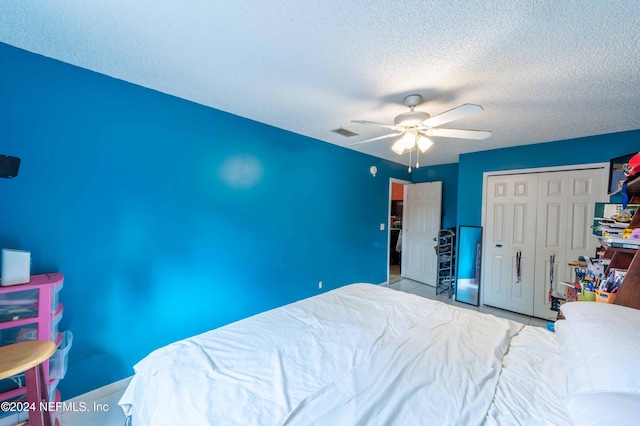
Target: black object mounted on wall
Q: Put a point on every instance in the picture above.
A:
(9, 166)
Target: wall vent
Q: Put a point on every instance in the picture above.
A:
(344, 132)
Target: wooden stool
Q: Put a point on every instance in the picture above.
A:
(28, 357)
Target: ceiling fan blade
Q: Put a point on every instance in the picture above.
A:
(460, 134)
(390, 135)
(456, 113)
(373, 123)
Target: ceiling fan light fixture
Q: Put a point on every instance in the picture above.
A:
(424, 143)
(398, 146)
(408, 140)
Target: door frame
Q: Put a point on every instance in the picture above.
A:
(393, 180)
(485, 176)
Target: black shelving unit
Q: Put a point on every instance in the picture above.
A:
(446, 262)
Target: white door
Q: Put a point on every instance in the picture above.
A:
(509, 247)
(421, 223)
(566, 203)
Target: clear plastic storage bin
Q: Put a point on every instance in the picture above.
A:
(54, 328)
(55, 298)
(58, 361)
(18, 305)
(18, 334)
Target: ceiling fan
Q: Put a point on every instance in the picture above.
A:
(415, 127)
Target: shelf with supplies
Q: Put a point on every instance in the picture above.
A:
(32, 311)
(614, 225)
(612, 221)
(618, 236)
(446, 255)
(633, 194)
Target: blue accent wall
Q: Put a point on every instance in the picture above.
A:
(592, 149)
(448, 174)
(169, 218)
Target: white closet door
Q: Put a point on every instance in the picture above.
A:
(421, 223)
(510, 224)
(565, 208)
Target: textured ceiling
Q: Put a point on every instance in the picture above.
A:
(543, 70)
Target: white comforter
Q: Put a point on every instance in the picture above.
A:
(362, 354)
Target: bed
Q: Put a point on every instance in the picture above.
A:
(365, 354)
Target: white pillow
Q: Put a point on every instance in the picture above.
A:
(600, 355)
(594, 311)
(600, 347)
(604, 408)
(608, 338)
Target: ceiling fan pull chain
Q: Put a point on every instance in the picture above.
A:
(409, 161)
(417, 158)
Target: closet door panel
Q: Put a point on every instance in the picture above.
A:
(499, 218)
(552, 222)
(510, 229)
(496, 265)
(497, 280)
(552, 231)
(582, 186)
(525, 192)
(589, 187)
(565, 213)
(519, 224)
(581, 226)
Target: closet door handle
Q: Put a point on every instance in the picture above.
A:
(498, 245)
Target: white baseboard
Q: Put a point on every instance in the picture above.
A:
(103, 392)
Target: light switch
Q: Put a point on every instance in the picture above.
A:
(382, 226)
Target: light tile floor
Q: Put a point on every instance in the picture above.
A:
(429, 292)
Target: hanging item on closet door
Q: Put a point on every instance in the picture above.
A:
(552, 261)
(518, 266)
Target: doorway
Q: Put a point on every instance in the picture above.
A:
(396, 212)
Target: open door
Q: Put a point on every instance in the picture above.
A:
(421, 223)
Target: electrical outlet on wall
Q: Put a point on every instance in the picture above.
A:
(320, 284)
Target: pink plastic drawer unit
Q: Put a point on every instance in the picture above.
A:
(32, 311)
(40, 295)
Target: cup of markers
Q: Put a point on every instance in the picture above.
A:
(608, 288)
(590, 288)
